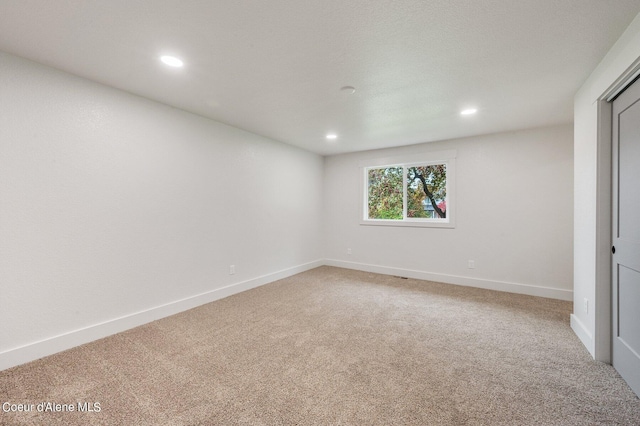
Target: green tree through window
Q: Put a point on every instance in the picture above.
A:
(385, 193)
(426, 192)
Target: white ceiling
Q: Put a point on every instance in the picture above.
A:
(276, 67)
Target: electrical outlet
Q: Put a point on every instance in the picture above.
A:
(586, 305)
(349, 251)
(232, 269)
(472, 264)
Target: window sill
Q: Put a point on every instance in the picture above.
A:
(409, 223)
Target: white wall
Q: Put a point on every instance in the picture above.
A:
(116, 210)
(592, 193)
(514, 216)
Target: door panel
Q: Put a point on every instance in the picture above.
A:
(629, 176)
(628, 302)
(626, 235)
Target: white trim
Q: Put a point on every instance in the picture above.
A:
(416, 223)
(602, 305)
(600, 346)
(583, 333)
(424, 158)
(622, 86)
(509, 287)
(52, 345)
(415, 157)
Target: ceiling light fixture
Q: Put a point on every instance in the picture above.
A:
(172, 61)
(469, 111)
(332, 136)
(348, 89)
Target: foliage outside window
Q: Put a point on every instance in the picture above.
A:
(408, 194)
(385, 193)
(427, 191)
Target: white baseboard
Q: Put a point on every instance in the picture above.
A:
(583, 334)
(65, 341)
(78, 337)
(531, 290)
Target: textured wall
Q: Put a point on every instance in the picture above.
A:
(113, 204)
(514, 216)
(592, 169)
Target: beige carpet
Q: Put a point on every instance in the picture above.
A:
(335, 347)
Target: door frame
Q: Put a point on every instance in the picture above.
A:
(603, 304)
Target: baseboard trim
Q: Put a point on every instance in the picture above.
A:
(52, 345)
(583, 334)
(531, 290)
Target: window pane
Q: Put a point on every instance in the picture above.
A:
(385, 193)
(427, 191)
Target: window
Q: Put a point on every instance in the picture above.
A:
(410, 193)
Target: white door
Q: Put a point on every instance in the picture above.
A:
(626, 235)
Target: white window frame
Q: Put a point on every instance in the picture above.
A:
(421, 159)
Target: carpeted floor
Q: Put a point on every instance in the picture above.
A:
(335, 347)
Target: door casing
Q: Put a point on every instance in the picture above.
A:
(603, 302)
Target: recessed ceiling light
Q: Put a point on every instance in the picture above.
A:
(469, 111)
(172, 61)
(348, 89)
(332, 136)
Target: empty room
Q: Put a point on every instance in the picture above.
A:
(320, 213)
